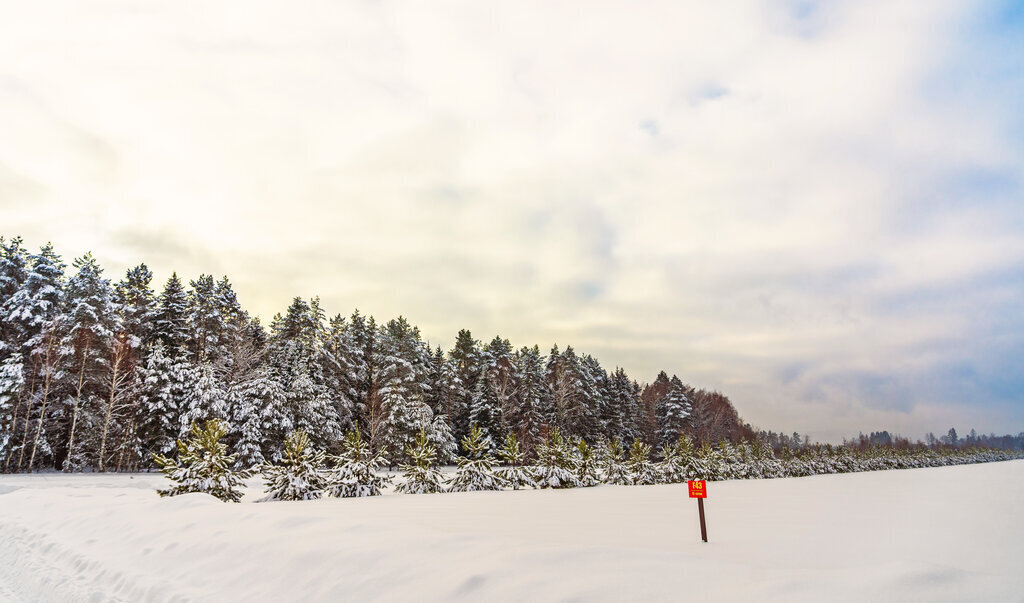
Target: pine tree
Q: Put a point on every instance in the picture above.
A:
(586, 464)
(612, 463)
(641, 470)
(421, 474)
(677, 461)
(512, 472)
(88, 332)
(203, 465)
(34, 311)
(556, 463)
(475, 470)
(355, 470)
(300, 475)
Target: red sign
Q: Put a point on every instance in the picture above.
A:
(698, 488)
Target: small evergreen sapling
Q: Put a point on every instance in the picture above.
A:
(300, 476)
(421, 475)
(475, 470)
(641, 470)
(203, 465)
(556, 464)
(513, 472)
(611, 457)
(586, 464)
(355, 470)
(676, 463)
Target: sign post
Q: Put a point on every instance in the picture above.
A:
(699, 490)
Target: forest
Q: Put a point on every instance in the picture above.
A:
(98, 375)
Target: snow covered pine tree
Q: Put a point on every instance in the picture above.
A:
(203, 465)
(300, 476)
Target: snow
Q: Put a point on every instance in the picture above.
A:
(938, 534)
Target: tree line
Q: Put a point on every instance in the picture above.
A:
(101, 375)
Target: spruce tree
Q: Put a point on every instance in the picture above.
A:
(527, 416)
(300, 474)
(513, 472)
(421, 474)
(171, 323)
(475, 471)
(466, 357)
(13, 273)
(674, 413)
(495, 389)
(441, 438)
(207, 399)
(203, 465)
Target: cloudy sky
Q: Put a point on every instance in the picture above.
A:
(815, 207)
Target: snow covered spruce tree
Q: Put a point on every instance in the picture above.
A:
(674, 412)
(355, 470)
(300, 474)
(399, 408)
(556, 463)
(512, 471)
(203, 465)
(421, 474)
(642, 471)
(442, 439)
(475, 470)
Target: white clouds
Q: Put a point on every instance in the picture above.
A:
(728, 193)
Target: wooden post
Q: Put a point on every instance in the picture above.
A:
(703, 526)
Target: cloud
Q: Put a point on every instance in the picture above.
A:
(813, 206)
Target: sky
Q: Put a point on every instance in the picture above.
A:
(816, 208)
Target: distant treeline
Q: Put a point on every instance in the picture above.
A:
(951, 440)
(101, 375)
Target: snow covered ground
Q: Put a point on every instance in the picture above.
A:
(943, 534)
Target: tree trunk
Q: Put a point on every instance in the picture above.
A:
(78, 402)
(24, 435)
(118, 355)
(46, 396)
(14, 427)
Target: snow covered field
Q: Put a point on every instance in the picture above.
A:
(942, 534)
